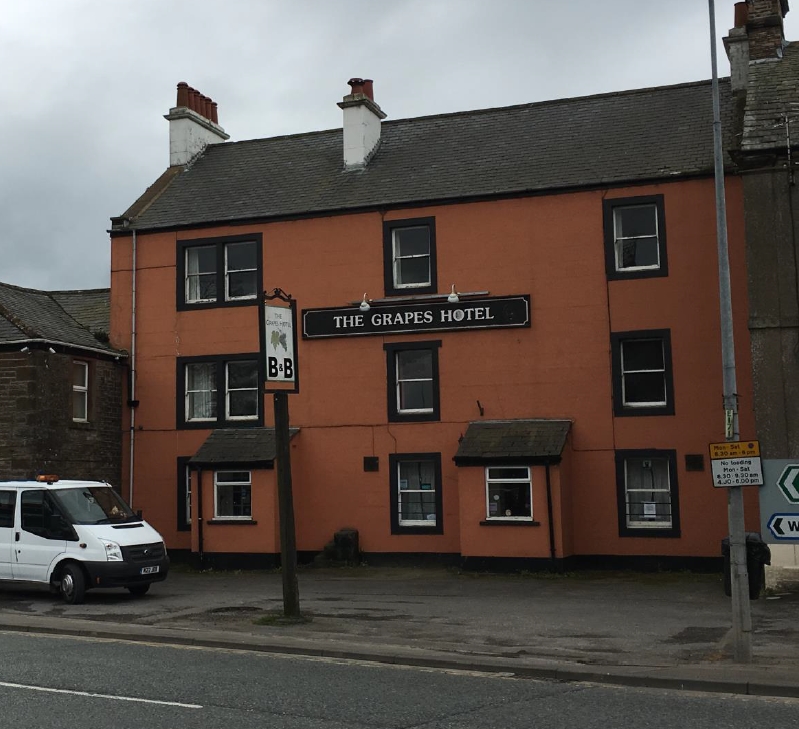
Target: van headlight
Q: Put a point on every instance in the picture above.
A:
(113, 553)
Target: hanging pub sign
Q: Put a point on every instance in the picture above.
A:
(279, 342)
(499, 312)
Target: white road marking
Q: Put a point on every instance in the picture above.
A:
(98, 696)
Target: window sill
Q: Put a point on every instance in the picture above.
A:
(82, 424)
(510, 522)
(237, 522)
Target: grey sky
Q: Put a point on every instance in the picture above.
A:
(86, 83)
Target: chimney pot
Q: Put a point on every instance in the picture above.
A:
(192, 99)
(356, 85)
(214, 113)
(741, 14)
(183, 94)
(367, 88)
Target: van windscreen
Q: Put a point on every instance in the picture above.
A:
(94, 505)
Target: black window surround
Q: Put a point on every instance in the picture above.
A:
(660, 267)
(220, 361)
(625, 530)
(622, 405)
(395, 414)
(219, 244)
(394, 459)
(392, 287)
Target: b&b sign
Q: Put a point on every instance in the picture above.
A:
(279, 345)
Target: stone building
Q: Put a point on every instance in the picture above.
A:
(61, 385)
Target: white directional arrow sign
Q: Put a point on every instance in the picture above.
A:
(784, 526)
(789, 483)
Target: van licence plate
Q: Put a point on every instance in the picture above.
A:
(149, 570)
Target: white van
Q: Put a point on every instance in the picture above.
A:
(75, 536)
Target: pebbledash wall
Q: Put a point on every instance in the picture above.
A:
(623, 477)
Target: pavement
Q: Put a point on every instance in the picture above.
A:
(668, 630)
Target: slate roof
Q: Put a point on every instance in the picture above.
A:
(604, 139)
(238, 446)
(90, 308)
(28, 314)
(772, 91)
(512, 441)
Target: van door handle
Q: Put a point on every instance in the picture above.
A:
(16, 536)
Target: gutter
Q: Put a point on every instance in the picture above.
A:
(69, 345)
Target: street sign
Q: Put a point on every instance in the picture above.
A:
(735, 449)
(778, 500)
(784, 527)
(788, 483)
(736, 463)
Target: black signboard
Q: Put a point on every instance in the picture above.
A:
(498, 312)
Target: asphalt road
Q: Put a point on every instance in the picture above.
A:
(65, 682)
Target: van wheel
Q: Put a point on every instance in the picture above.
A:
(138, 590)
(73, 584)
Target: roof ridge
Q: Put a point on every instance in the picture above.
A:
(474, 112)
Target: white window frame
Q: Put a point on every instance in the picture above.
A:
(247, 483)
(81, 390)
(489, 480)
(619, 240)
(399, 381)
(646, 523)
(187, 275)
(213, 392)
(397, 258)
(228, 271)
(431, 523)
(625, 372)
(228, 390)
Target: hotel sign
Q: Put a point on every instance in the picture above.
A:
(499, 312)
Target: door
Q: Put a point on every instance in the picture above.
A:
(36, 542)
(8, 503)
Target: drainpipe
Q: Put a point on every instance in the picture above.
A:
(132, 394)
(200, 513)
(550, 517)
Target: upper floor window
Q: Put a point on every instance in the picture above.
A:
(635, 237)
(219, 390)
(647, 493)
(219, 272)
(412, 373)
(80, 392)
(409, 256)
(642, 374)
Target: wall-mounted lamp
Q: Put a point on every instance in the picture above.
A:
(453, 297)
(25, 349)
(364, 304)
(51, 350)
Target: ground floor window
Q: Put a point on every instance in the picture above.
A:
(416, 500)
(509, 493)
(233, 495)
(647, 493)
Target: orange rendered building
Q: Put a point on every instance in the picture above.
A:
(508, 333)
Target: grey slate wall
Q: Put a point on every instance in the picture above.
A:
(37, 433)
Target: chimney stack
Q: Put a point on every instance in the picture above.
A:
(765, 28)
(362, 118)
(193, 125)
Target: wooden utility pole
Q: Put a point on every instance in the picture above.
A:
(288, 541)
